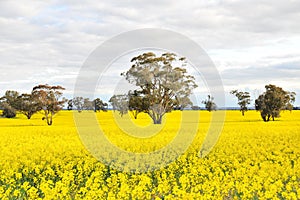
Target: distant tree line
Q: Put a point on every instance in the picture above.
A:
(45, 99)
(163, 88)
(152, 73)
(42, 98)
(270, 103)
(81, 103)
(163, 85)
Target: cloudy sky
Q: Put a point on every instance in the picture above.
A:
(252, 43)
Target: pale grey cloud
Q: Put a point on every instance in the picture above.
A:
(288, 72)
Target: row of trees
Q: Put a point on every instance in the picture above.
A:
(162, 85)
(43, 98)
(80, 104)
(135, 103)
(269, 104)
(163, 88)
(47, 100)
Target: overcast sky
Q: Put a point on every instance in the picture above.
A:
(252, 43)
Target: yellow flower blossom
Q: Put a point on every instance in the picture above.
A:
(252, 160)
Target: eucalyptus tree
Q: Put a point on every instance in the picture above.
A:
(28, 105)
(78, 103)
(99, 105)
(209, 103)
(120, 103)
(243, 100)
(273, 101)
(49, 100)
(162, 81)
(9, 103)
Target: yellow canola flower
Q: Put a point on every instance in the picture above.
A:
(252, 159)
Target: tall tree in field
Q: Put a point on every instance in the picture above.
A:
(49, 100)
(25, 104)
(243, 100)
(209, 103)
(137, 103)
(9, 103)
(161, 83)
(99, 105)
(7, 110)
(28, 105)
(273, 101)
(11, 98)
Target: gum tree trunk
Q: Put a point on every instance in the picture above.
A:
(157, 118)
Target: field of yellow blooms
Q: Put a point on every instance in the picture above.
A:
(252, 159)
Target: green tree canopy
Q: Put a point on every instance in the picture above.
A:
(99, 105)
(49, 100)
(243, 100)
(137, 103)
(70, 104)
(28, 105)
(120, 103)
(78, 103)
(162, 81)
(209, 103)
(273, 101)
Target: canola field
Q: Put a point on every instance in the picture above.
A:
(252, 159)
